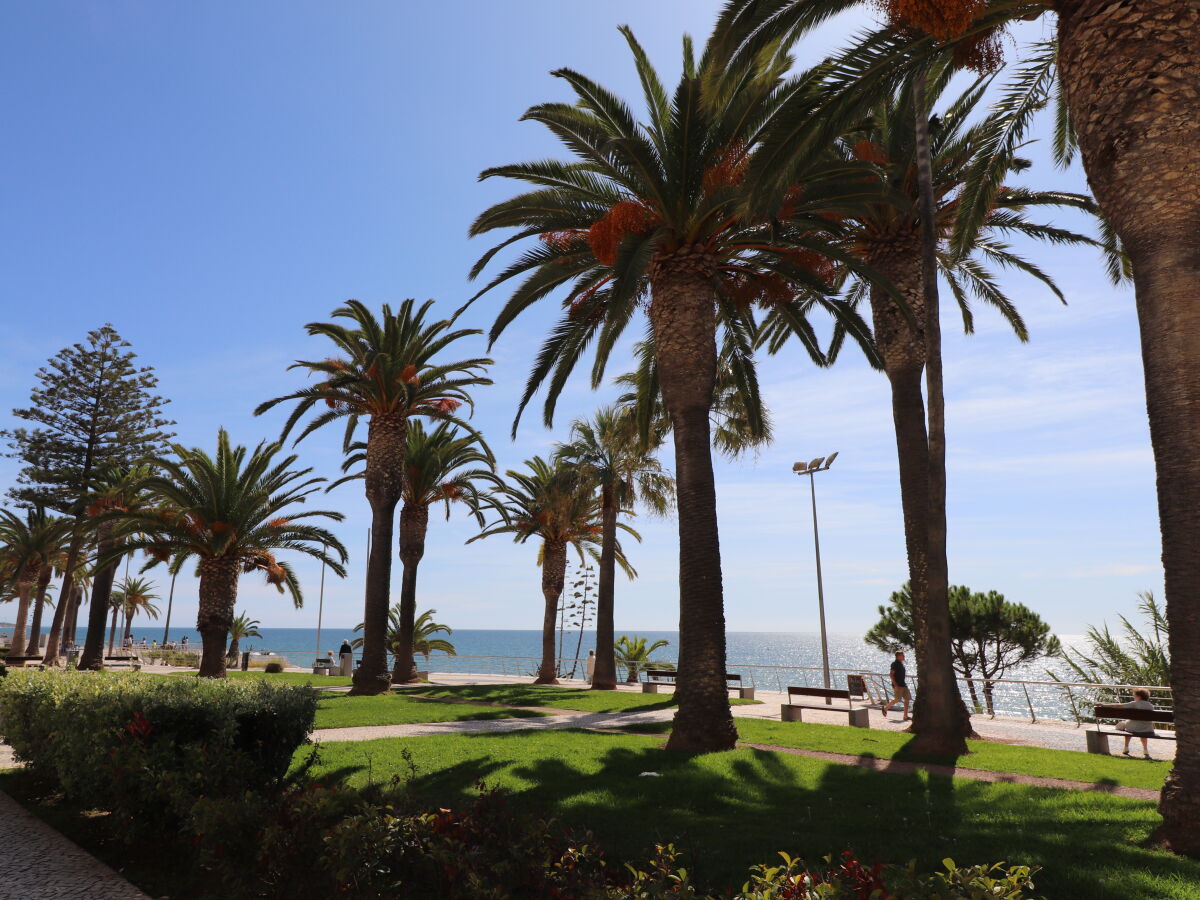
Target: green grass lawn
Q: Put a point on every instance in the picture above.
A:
(550, 696)
(727, 811)
(1088, 767)
(342, 711)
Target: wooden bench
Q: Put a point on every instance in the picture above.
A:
(119, 662)
(657, 679)
(19, 661)
(1097, 738)
(801, 698)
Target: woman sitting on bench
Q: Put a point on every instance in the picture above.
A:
(1132, 727)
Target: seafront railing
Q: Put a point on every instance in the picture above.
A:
(1034, 700)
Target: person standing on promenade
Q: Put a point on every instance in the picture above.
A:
(900, 689)
(591, 665)
(346, 653)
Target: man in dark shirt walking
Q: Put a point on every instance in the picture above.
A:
(899, 686)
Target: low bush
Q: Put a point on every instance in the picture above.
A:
(274, 668)
(147, 748)
(316, 841)
(185, 658)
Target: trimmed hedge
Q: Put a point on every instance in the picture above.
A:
(148, 748)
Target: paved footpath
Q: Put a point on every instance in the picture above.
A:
(38, 863)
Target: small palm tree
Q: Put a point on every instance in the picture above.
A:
(242, 626)
(634, 655)
(422, 641)
(444, 465)
(133, 596)
(550, 502)
(29, 547)
(386, 372)
(609, 453)
(232, 512)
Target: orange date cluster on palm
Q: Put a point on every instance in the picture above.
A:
(949, 20)
(624, 218)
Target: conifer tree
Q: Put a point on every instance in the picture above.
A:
(91, 409)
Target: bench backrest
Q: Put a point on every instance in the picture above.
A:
(831, 693)
(737, 678)
(1104, 711)
(659, 673)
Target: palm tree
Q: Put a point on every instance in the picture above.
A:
(30, 546)
(887, 233)
(232, 512)
(115, 495)
(133, 596)
(1133, 116)
(552, 503)
(419, 639)
(41, 600)
(242, 626)
(650, 214)
(424, 641)
(634, 655)
(445, 466)
(386, 373)
(609, 453)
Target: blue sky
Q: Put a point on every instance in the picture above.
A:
(209, 177)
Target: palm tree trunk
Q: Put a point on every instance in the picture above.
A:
(112, 631)
(25, 591)
(554, 574)
(218, 596)
(683, 317)
(604, 675)
(72, 617)
(414, 524)
(102, 583)
(127, 631)
(386, 449)
(56, 623)
(39, 603)
(940, 719)
(1130, 71)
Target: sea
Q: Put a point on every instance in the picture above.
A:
(758, 656)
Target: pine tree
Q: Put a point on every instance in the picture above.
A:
(92, 409)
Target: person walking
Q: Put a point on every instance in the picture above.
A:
(900, 689)
(346, 653)
(591, 665)
(1133, 727)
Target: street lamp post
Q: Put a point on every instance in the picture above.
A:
(820, 464)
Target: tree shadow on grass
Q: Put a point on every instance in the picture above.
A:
(728, 811)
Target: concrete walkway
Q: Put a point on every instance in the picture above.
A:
(38, 863)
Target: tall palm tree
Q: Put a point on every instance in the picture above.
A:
(550, 502)
(443, 465)
(133, 596)
(29, 546)
(232, 512)
(887, 233)
(41, 600)
(241, 627)
(386, 372)
(649, 214)
(1125, 75)
(610, 454)
(115, 494)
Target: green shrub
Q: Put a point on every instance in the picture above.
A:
(186, 658)
(314, 840)
(274, 668)
(147, 748)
